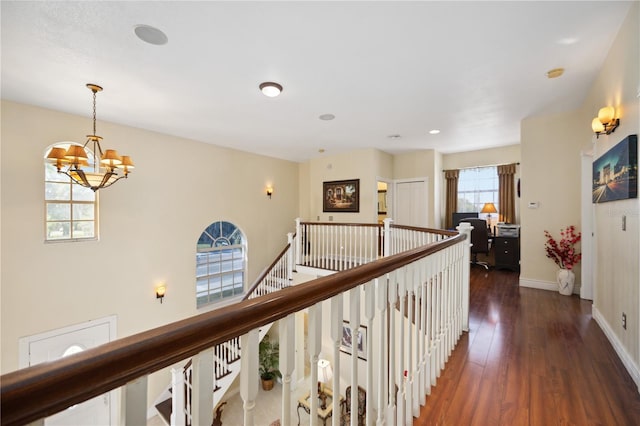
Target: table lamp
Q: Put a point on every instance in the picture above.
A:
(325, 374)
(489, 208)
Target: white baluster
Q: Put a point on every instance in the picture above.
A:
(314, 344)
(383, 348)
(249, 374)
(202, 388)
(135, 402)
(337, 314)
(393, 344)
(354, 320)
(177, 397)
(287, 364)
(369, 312)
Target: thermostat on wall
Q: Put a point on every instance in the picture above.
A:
(533, 204)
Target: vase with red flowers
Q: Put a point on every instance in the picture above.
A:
(565, 255)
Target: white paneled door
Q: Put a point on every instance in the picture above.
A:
(411, 202)
(59, 343)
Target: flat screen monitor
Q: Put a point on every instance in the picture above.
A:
(458, 216)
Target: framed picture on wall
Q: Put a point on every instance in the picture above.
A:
(615, 173)
(347, 342)
(341, 196)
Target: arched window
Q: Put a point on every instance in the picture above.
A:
(70, 209)
(220, 263)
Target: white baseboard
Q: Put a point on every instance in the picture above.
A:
(539, 284)
(626, 359)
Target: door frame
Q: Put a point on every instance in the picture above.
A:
(111, 320)
(425, 180)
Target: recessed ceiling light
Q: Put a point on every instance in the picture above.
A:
(568, 41)
(150, 34)
(270, 89)
(394, 136)
(434, 132)
(555, 73)
(327, 117)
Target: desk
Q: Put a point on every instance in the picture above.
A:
(507, 253)
(305, 404)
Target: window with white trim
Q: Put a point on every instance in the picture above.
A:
(70, 209)
(220, 263)
(477, 186)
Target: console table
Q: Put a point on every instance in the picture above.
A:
(325, 414)
(507, 253)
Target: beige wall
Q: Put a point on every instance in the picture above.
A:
(365, 164)
(149, 226)
(617, 270)
(550, 176)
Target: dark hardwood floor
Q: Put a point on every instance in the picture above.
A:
(531, 357)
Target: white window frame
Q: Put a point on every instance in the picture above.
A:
(65, 180)
(479, 191)
(211, 273)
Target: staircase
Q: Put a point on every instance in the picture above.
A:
(226, 368)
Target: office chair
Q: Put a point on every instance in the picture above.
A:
(479, 240)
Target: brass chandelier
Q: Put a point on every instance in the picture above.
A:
(73, 161)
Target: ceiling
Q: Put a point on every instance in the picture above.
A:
(473, 69)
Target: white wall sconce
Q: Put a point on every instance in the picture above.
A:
(605, 122)
(160, 291)
(269, 191)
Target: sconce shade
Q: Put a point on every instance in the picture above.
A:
(597, 126)
(489, 208)
(111, 158)
(606, 114)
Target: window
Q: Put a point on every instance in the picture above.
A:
(220, 263)
(70, 209)
(476, 187)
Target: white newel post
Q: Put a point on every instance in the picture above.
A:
(298, 247)
(336, 336)
(249, 374)
(135, 402)
(202, 400)
(290, 258)
(287, 363)
(465, 228)
(387, 237)
(177, 397)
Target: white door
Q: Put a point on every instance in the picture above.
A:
(411, 202)
(57, 344)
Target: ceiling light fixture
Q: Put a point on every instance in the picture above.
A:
(150, 35)
(327, 117)
(270, 89)
(73, 161)
(555, 73)
(434, 132)
(605, 122)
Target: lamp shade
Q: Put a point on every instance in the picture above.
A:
(489, 208)
(325, 373)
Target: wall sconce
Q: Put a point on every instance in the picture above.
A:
(605, 122)
(269, 191)
(160, 291)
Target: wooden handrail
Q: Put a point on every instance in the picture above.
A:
(360, 225)
(429, 230)
(42, 390)
(264, 273)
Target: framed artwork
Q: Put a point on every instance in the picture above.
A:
(347, 342)
(615, 173)
(341, 196)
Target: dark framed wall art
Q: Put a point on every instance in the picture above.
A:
(347, 342)
(615, 173)
(341, 196)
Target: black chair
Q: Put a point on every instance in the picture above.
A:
(479, 240)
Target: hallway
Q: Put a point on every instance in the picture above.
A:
(532, 357)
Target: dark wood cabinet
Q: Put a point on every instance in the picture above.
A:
(507, 253)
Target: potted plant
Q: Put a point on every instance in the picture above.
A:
(268, 362)
(565, 255)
